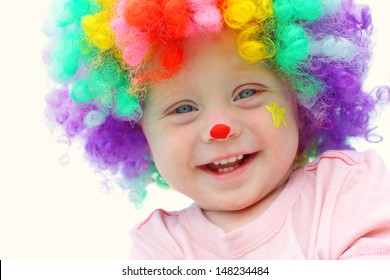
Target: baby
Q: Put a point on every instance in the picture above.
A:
(244, 106)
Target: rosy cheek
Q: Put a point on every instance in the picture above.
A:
(277, 114)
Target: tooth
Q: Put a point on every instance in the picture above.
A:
(232, 159)
(227, 169)
(224, 161)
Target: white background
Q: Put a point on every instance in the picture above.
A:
(49, 210)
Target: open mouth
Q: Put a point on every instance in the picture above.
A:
(228, 165)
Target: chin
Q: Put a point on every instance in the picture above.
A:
(232, 206)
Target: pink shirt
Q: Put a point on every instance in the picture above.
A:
(337, 207)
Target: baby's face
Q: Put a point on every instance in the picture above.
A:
(216, 86)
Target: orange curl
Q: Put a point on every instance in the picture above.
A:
(138, 13)
(165, 62)
(164, 23)
(172, 58)
(176, 18)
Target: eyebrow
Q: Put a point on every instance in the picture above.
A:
(254, 78)
(242, 76)
(167, 98)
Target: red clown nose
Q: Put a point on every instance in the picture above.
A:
(220, 131)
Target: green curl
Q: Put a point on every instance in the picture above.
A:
(292, 10)
(127, 104)
(293, 47)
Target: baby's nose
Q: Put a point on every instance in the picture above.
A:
(220, 131)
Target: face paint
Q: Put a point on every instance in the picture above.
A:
(277, 114)
(220, 131)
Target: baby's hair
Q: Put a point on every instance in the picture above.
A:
(104, 53)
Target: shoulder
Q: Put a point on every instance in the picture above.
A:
(158, 218)
(345, 163)
(347, 175)
(158, 236)
(354, 191)
(338, 158)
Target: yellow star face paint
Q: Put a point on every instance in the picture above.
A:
(277, 114)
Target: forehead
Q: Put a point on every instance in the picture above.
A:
(221, 49)
(213, 58)
(223, 42)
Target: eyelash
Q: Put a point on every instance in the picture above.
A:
(238, 97)
(176, 111)
(189, 108)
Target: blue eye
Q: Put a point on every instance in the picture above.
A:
(184, 109)
(246, 93)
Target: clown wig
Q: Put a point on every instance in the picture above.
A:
(103, 53)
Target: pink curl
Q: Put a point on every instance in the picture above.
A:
(132, 41)
(136, 50)
(205, 18)
(150, 33)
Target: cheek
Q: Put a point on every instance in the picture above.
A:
(167, 148)
(155, 142)
(171, 161)
(278, 129)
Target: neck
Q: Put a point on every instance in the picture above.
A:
(232, 220)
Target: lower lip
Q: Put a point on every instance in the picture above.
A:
(231, 174)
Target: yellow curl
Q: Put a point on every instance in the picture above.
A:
(97, 27)
(106, 3)
(98, 31)
(251, 19)
(254, 44)
(238, 13)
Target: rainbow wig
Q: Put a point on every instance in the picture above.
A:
(103, 53)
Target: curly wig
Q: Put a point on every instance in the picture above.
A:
(103, 53)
